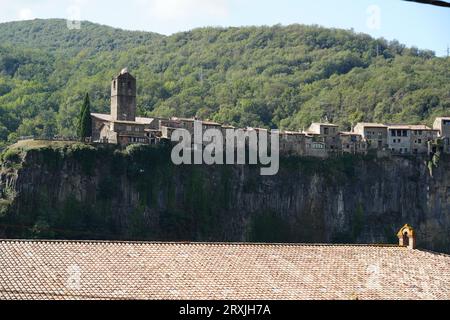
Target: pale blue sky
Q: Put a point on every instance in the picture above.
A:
(424, 26)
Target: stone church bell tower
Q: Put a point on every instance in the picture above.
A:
(123, 97)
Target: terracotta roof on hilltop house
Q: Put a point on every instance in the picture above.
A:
(410, 127)
(370, 125)
(324, 124)
(108, 117)
(227, 126)
(149, 270)
(205, 122)
(287, 132)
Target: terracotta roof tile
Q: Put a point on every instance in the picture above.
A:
(139, 270)
(410, 127)
(371, 125)
(108, 117)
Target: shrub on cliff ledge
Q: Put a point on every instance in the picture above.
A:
(4, 206)
(149, 154)
(84, 154)
(11, 155)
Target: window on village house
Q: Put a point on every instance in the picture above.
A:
(420, 140)
(128, 128)
(393, 133)
(325, 130)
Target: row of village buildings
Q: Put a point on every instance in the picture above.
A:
(320, 139)
(122, 127)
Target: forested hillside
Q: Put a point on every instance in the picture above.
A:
(276, 76)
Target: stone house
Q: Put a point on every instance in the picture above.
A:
(399, 139)
(292, 143)
(373, 134)
(410, 139)
(326, 133)
(188, 124)
(442, 124)
(315, 146)
(353, 143)
(421, 138)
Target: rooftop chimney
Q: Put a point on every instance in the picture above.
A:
(407, 237)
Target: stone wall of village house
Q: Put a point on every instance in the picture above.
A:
(399, 140)
(377, 138)
(419, 140)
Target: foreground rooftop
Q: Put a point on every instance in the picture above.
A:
(152, 270)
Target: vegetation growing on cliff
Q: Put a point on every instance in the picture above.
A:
(276, 76)
(151, 173)
(103, 192)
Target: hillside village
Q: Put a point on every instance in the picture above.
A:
(123, 127)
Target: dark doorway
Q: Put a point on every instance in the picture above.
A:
(405, 239)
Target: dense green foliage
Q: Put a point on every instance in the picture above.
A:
(276, 76)
(84, 120)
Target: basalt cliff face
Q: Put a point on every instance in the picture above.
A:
(81, 192)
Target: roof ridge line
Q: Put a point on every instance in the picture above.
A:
(202, 243)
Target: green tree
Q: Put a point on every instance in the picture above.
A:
(85, 121)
